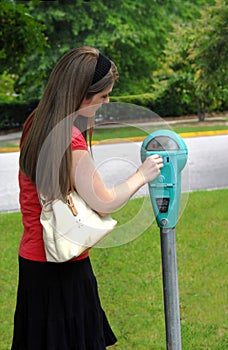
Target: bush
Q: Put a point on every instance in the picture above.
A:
(169, 104)
(14, 114)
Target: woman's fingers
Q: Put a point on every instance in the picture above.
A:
(150, 168)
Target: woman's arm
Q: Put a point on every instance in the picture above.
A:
(92, 189)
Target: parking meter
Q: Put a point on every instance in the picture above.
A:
(165, 193)
(165, 190)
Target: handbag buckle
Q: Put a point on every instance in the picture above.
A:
(70, 203)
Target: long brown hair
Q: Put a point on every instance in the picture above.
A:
(48, 164)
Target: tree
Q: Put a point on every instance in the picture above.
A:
(174, 81)
(132, 33)
(20, 34)
(193, 71)
(209, 53)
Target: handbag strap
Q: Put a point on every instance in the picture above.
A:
(69, 202)
(71, 205)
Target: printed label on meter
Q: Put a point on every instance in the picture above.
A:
(163, 204)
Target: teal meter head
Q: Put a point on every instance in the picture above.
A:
(165, 190)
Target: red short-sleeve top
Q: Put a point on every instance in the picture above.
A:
(32, 245)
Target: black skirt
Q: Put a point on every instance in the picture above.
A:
(58, 308)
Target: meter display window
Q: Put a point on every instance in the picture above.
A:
(161, 143)
(163, 204)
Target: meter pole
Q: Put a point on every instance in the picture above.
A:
(170, 288)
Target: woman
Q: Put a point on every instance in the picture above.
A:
(58, 305)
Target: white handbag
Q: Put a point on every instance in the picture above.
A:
(70, 228)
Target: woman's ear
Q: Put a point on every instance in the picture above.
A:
(85, 102)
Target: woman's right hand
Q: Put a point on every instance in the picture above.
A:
(150, 168)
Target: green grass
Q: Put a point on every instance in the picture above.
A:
(8, 144)
(195, 128)
(130, 131)
(102, 134)
(130, 282)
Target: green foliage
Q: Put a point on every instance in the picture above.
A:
(171, 69)
(132, 33)
(209, 53)
(164, 105)
(144, 100)
(14, 114)
(7, 88)
(20, 34)
(193, 71)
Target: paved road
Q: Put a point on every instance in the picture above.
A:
(207, 167)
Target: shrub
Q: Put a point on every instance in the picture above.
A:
(14, 114)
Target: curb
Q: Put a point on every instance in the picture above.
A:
(135, 139)
(203, 133)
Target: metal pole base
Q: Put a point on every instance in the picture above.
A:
(170, 289)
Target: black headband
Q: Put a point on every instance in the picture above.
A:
(102, 68)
